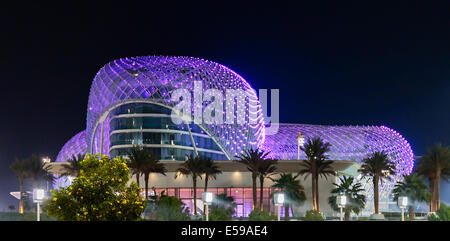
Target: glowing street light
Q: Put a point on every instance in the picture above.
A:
(279, 201)
(46, 160)
(38, 197)
(402, 202)
(341, 201)
(207, 198)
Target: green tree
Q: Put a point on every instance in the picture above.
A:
(193, 167)
(73, 167)
(168, 208)
(378, 167)
(313, 215)
(294, 192)
(443, 214)
(435, 165)
(316, 165)
(260, 215)
(352, 189)
(20, 168)
(253, 159)
(219, 214)
(99, 193)
(415, 189)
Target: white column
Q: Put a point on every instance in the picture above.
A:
(38, 213)
(279, 212)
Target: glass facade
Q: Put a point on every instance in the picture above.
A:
(152, 126)
(242, 197)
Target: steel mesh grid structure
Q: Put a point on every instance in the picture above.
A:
(348, 143)
(76, 145)
(152, 79)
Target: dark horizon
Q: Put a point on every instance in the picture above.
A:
(341, 64)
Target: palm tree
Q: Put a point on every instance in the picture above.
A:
(352, 189)
(292, 189)
(210, 170)
(378, 167)
(435, 165)
(414, 188)
(151, 164)
(253, 158)
(73, 167)
(37, 170)
(316, 165)
(427, 171)
(265, 170)
(225, 202)
(136, 158)
(193, 167)
(20, 167)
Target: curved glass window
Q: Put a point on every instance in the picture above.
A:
(126, 129)
(137, 138)
(147, 122)
(136, 108)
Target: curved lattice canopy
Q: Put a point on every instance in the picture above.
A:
(76, 145)
(154, 78)
(348, 143)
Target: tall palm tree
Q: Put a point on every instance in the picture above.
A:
(415, 189)
(266, 169)
(20, 167)
(352, 189)
(37, 170)
(316, 165)
(210, 170)
(137, 156)
(427, 171)
(193, 167)
(292, 189)
(253, 158)
(378, 167)
(435, 165)
(151, 164)
(73, 167)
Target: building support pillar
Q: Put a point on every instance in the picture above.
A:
(101, 139)
(192, 139)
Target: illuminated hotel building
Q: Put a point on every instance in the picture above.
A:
(130, 104)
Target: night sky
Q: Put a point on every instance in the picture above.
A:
(334, 63)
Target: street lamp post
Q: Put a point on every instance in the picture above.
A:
(207, 198)
(341, 201)
(279, 201)
(46, 160)
(38, 197)
(402, 202)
